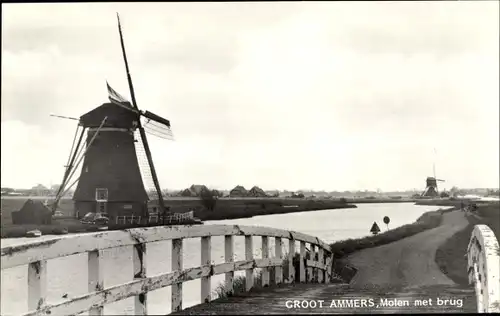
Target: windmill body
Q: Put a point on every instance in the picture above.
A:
(110, 180)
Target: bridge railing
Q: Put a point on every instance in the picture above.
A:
(35, 255)
(483, 256)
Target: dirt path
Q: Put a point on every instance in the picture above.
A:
(407, 263)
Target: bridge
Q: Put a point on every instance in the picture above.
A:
(314, 291)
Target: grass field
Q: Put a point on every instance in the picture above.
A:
(450, 256)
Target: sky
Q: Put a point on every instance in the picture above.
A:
(283, 95)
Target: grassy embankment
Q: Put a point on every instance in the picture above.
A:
(450, 257)
(58, 227)
(343, 248)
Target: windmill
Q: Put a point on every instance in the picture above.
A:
(110, 180)
(431, 187)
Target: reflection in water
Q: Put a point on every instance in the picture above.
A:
(69, 275)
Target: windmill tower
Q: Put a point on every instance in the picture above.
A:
(110, 179)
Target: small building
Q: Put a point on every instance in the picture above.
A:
(257, 192)
(40, 190)
(238, 191)
(32, 212)
(186, 193)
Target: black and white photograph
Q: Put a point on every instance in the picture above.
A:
(249, 158)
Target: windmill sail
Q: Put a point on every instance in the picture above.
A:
(144, 167)
(157, 126)
(157, 129)
(142, 132)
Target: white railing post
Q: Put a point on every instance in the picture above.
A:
(479, 291)
(95, 278)
(329, 267)
(206, 249)
(278, 253)
(311, 270)
(291, 256)
(265, 255)
(301, 263)
(177, 266)
(249, 257)
(321, 260)
(229, 258)
(483, 266)
(139, 266)
(37, 284)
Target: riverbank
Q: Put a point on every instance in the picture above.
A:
(345, 248)
(408, 262)
(246, 208)
(224, 209)
(450, 255)
(379, 200)
(57, 227)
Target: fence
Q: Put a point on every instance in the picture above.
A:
(155, 218)
(35, 255)
(483, 257)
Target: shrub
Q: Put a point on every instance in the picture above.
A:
(208, 199)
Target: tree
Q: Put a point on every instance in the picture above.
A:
(208, 199)
(444, 194)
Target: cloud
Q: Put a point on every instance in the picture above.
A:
(323, 95)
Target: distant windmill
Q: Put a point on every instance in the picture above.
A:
(431, 187)
(110, 180)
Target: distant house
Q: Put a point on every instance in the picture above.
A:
(194, 190)
(273, 193)
(40, 190)
(257, 192)
(298, 195)
(186, 193)
(197, 189)
(32, 212)
(238, 191)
